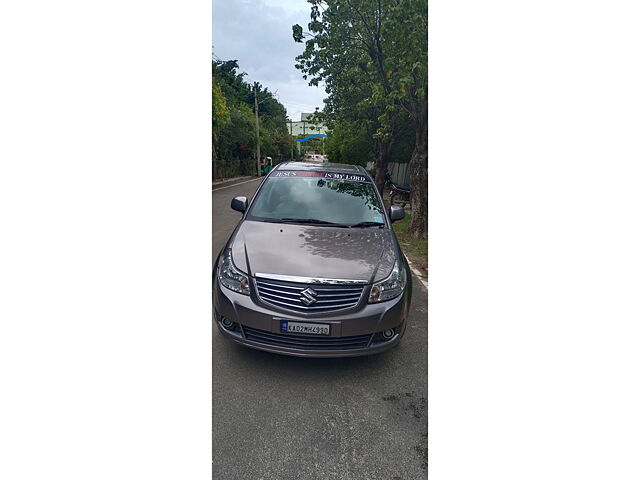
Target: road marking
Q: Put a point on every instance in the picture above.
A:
(239, 183)
(417, 273)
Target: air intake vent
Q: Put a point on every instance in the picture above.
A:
(306, 343)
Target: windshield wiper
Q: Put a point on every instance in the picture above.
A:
(367, 224)
(313, 221)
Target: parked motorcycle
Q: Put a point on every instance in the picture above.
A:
(398, 194)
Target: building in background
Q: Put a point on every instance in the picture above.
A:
(305, 127)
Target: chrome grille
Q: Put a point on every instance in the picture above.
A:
(305, 342)
(296, 296)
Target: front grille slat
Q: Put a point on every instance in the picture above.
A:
(338, 300)
(279, 292)
(298, 288)
(333, 295)
(341, 288)
(328, 298)
(279, 297)
(306, 342)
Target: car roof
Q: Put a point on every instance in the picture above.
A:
(322, 167)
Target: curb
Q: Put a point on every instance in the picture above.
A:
(228, 182)
(417, 273)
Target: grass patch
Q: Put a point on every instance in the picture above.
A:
(415, 250)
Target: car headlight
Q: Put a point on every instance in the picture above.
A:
(230, 276)
(390, 287)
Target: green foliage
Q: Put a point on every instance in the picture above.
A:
(347, 143)
(411, 246)
(234, 134)
(405, 140)
(219, 108)
(371, 56)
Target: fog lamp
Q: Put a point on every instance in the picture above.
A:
(387, 334)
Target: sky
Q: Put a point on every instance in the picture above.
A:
(257, 33)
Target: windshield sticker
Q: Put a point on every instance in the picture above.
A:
(333, 175)
(378, 219)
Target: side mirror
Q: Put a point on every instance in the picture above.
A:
(240, 204)
(396, 213)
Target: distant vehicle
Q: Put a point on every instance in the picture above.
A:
(315, 158)
(266, 164)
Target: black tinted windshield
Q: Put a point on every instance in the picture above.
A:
(312, 199)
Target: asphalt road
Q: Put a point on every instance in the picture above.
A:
(284, 418)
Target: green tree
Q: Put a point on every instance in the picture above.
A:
(348, 143)
(371, 56)
(407, 25)
(220, 113)
(234, 137)
(337, 53)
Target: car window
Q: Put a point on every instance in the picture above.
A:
(331, 200)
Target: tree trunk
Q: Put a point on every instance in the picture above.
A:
(419, 187)
(382, 160)
(214, 160)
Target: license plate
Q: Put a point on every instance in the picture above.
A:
(306, 328)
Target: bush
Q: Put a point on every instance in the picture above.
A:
(236, 167)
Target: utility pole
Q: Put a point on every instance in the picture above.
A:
(304, 132)
(291, 133)
(255, 98)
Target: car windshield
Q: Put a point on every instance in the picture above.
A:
(319, 201)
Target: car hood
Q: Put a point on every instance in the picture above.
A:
(314, 251)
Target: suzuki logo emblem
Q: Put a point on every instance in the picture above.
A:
(308, 296)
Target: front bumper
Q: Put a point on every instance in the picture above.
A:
(353, 333)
